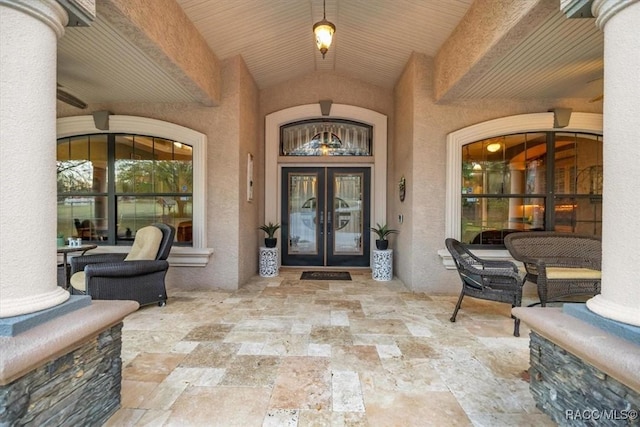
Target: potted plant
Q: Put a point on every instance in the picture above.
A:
(270, 241)
(382, 231)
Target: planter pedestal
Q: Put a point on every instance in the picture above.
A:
(269, 265)
(382, 269)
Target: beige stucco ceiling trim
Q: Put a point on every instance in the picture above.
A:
(487, 32)
(197, 68)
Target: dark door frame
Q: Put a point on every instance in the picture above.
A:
(325, 218)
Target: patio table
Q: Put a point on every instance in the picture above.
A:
(65, 250)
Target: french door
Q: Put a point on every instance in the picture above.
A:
(325, 216)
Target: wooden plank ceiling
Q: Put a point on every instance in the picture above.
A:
(373, 41)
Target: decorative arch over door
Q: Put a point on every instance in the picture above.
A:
(274, 162)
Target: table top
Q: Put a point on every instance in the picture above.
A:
(67, 249)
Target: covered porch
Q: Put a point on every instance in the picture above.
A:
(218, 302)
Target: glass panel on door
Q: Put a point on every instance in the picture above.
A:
(303, 213)
(348, 217)
(347, 213)
(303, 216)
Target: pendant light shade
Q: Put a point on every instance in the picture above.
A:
(324, 32)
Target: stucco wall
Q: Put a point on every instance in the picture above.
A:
(250, 143)
(315, 86)
(401, 163)
(426, 188)
(230, 129)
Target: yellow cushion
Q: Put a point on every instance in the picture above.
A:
(146, 244)
(572, 273)
(77, 281)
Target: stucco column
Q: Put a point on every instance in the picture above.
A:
(29, 32)
(620, 298)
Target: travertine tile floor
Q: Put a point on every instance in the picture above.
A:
(285, 352)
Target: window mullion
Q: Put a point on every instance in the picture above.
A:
(550, 200)
(111, 189)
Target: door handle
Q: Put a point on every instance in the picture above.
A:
(329, 216)
(321, 223)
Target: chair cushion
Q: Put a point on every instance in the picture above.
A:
(78, 282)
(146, 244)
(472, 280)
(572, 273)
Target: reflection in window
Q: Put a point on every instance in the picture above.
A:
(320, 137)
(505, 185)
(111, 185)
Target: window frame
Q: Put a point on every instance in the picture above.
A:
(548, 198)
(326, 123)
(112, 194)
(534, 122)
(198, 254)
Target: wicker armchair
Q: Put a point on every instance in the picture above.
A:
(137, 276)
(560, 264)
(486, 279)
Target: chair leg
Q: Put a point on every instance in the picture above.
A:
(455, 312)
(542, 294)
(516, 327)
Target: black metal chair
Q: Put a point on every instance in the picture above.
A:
(491, 280)
(137, 276)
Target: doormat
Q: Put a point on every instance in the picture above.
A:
(325, 275)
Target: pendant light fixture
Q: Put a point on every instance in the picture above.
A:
(324, 32)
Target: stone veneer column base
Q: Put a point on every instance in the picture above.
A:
(575, 393)
(81, 387)
(580, 371)
(65, 371)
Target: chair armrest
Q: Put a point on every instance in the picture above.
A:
(78, 263)
(496, 272)
(500, 264)
(125, 269)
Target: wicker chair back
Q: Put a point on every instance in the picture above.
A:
(492, 280)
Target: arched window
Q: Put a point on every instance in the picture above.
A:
(521, 173)
(111, 185)
(156, 138)
(531, 181)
